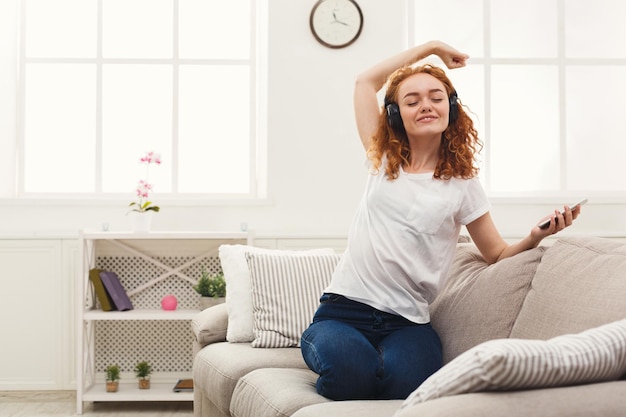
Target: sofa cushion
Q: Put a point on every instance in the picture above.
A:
(218, 367)
(209, 325)
(356, 408)
(274, 393)
(285, 294)
(239, 288)
(598, 354)
(480, 302)
(580, 284)
(594, 400)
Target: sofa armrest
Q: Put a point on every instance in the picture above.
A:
(209, 326)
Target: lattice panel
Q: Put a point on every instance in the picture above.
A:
(166, 345)
(134, 271)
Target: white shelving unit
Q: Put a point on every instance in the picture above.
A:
(151, 265)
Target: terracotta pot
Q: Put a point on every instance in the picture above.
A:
(112, 386)
(144, 383)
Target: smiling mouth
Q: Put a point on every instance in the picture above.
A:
(427, 119)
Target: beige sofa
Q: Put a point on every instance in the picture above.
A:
(576, 287)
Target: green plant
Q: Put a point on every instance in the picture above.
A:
(143, 369)
(211, 285)
(113, 373)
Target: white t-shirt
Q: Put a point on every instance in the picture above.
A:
(402, 240)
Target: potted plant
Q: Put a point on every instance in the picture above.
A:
(143, 208)
(212, 289)
(113, 378)
(142, 371)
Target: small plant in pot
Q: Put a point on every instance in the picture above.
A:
(112, 378)
(212, 289)
(142, 371)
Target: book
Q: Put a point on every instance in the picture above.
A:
(101, 293)
(116, 291)
(184, 385)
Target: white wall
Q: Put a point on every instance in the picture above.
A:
(8, 51)
(315, 159)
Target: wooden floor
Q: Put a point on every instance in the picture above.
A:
(63, 404)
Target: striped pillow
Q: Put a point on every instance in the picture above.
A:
(285, 294)
(239, 288)
(595, 355)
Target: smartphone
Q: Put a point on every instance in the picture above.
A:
(546, 223)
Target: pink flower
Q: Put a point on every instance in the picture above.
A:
(144, 187)
(150, 158)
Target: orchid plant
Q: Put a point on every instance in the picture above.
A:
(144, 188)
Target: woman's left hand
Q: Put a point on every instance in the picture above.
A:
(558, 221)
(450, 56)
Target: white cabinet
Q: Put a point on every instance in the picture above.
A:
(150, 266)
(34, 309)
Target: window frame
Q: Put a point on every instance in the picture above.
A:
(562, 62)
(257, 127)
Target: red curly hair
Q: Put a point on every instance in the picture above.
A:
(459, 144)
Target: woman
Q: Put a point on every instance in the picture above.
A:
(371, 336)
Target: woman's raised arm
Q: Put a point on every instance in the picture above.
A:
(369, 82)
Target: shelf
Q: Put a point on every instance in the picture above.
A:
(154, 263)
(130, 392)
(165, 235)
(140, 314)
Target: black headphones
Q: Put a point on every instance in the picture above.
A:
(395, 120)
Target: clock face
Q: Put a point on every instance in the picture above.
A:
(336, 23)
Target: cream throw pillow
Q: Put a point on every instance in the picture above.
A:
(285, 294)
(481, 302)
(239, 289)
(595, 355)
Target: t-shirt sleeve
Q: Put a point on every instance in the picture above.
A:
(475, 202)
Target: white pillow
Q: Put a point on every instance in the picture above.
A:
(239, 288)
(595, 355)
(286, 289)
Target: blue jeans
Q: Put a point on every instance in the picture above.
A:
(360, 352)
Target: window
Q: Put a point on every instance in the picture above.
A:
(546, 84)
(105, 81)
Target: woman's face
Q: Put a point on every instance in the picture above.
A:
(424, 106)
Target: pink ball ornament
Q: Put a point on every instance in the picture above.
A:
(169, 302)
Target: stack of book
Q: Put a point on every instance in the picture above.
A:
(109, 290)
(184, 385)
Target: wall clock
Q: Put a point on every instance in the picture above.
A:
(336, 23)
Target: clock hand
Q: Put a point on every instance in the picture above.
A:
(335, 20)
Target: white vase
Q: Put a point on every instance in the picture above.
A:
(140, 221)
